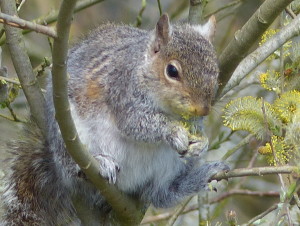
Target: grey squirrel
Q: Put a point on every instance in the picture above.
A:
(130, 92)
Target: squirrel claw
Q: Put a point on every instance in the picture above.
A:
(108, 168)
(214, 168)
(178, 140)
(197, 146)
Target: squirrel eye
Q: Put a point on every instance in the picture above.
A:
(172, 72)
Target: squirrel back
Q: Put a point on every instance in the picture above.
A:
(131, 92)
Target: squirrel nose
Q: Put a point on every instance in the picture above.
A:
(202, 110)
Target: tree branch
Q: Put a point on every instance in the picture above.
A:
(167, 215)
(229, 5)
(15, 21)
(159, 7)
(10, 80)
(3, 84)
(138, 22)
(272, 208)
(178, 212)
(256, 171)
(261, 53)
(52, 17)
(247, 36)
(24, 69)
(124, 208)
(231, 151)
(196, 11)
(244, 192)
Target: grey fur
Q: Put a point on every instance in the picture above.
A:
(122, 105)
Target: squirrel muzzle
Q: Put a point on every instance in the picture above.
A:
(200, 110)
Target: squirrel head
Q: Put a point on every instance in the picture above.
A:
(184, 67)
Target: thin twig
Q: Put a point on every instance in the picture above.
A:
(20, 6)
(23, 68)
(231, 4)
(2, 31)
(217, 144)
(178, 212)
(167, 215)
(10, 80)
(159, 7)
(40, 69)
(272, 208)
(246, 84)
(252, 160)
(139, 16)
(290, 12)
(13, 114)
(156, 218)
(3, 83)
(52, 17)
(250, 165)
(244, 192)
(283, 208)
(296, 198)
(7, 118)
(283, 185)
(15, 21)
(237, 147)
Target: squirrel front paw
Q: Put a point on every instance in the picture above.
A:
(108, 167)
(178, 139)
(198, 146)
(211, 169)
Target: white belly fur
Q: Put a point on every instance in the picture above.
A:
(139, 162)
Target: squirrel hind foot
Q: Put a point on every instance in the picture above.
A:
(109, 168)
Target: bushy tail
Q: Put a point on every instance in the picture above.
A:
(35, 192)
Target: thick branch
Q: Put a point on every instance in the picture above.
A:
(15, 21)
(123, 207)
(257, 171)
(23, 68)
(247, 36)
(261, 53)
(196, 11)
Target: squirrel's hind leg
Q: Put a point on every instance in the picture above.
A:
(109, 168)
(189, 181)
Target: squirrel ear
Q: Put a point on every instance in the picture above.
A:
(207, 30)
(162, 33)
